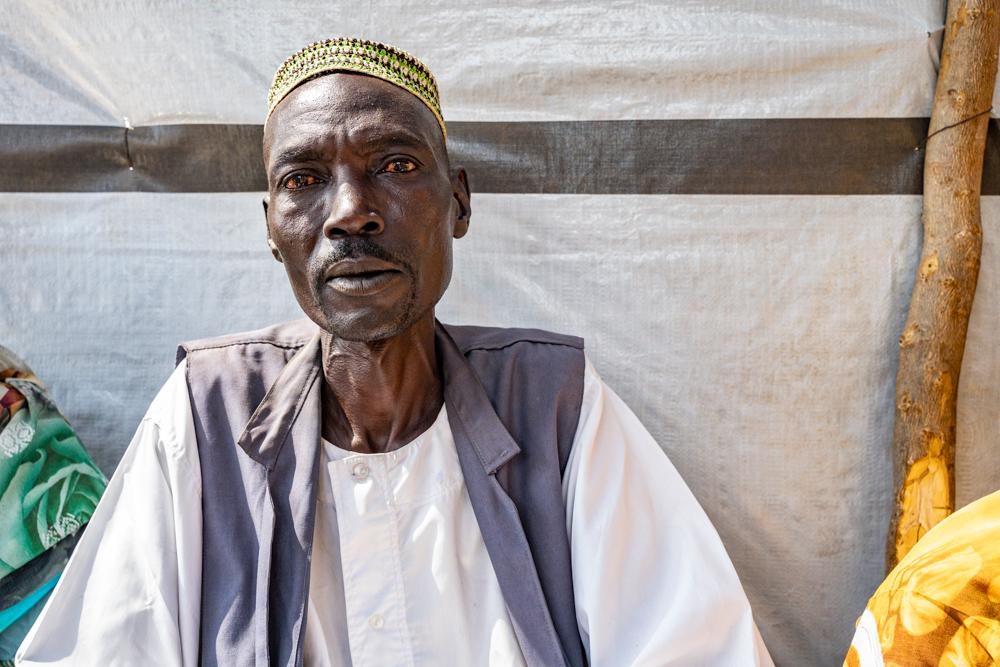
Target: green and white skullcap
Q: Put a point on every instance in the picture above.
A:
(357, 55)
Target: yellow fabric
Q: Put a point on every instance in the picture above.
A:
(941, 605)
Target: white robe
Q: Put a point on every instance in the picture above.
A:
(400, 574)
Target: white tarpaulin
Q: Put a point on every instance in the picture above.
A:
(754, 334)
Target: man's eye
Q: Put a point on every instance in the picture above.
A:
(400, 166)
(299, 181)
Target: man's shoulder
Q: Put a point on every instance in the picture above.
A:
(288, 335)
(469, 338)
(296, 333)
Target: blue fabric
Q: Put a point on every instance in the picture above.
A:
(10, 615)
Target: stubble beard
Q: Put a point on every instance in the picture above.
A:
(374, 328)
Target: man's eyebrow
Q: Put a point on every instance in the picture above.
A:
(294, 154)
(394, 138)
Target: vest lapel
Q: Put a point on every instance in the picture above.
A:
(484, 446)
(269, 425)
(283, 436)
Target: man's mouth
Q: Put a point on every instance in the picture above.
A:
(361, 277)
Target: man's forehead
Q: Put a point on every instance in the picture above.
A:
(350, 93)
(364, 110)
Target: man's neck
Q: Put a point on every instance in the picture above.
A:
(379, 396)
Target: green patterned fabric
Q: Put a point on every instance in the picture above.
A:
(357, 55)
(49, 486)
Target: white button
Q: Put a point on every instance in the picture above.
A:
(376, 621)
(359, 472)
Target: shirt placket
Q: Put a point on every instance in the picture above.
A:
(370, 562)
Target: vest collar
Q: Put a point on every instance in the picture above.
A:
(467, 402)
(268, 427)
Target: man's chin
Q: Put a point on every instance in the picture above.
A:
(364, 327)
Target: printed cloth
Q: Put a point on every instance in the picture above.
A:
(941, 605)
(49, 488)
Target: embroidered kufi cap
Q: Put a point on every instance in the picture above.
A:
(357, 55)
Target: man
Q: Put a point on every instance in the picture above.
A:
(370, 487)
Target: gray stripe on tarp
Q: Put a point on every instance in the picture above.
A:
(826, 156)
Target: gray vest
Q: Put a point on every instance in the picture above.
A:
(513, 399)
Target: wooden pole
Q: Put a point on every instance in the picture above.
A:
(933, 340)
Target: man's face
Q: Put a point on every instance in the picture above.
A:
(361, 206)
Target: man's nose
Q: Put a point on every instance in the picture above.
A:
(351, 213)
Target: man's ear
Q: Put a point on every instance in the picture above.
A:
(463, 196)
(270, 243)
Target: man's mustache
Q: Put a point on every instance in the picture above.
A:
(356, 247)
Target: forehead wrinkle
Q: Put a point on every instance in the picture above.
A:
(367, 138)
(372, 136)
(374, 122)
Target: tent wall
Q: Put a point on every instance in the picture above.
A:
(743, 288)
